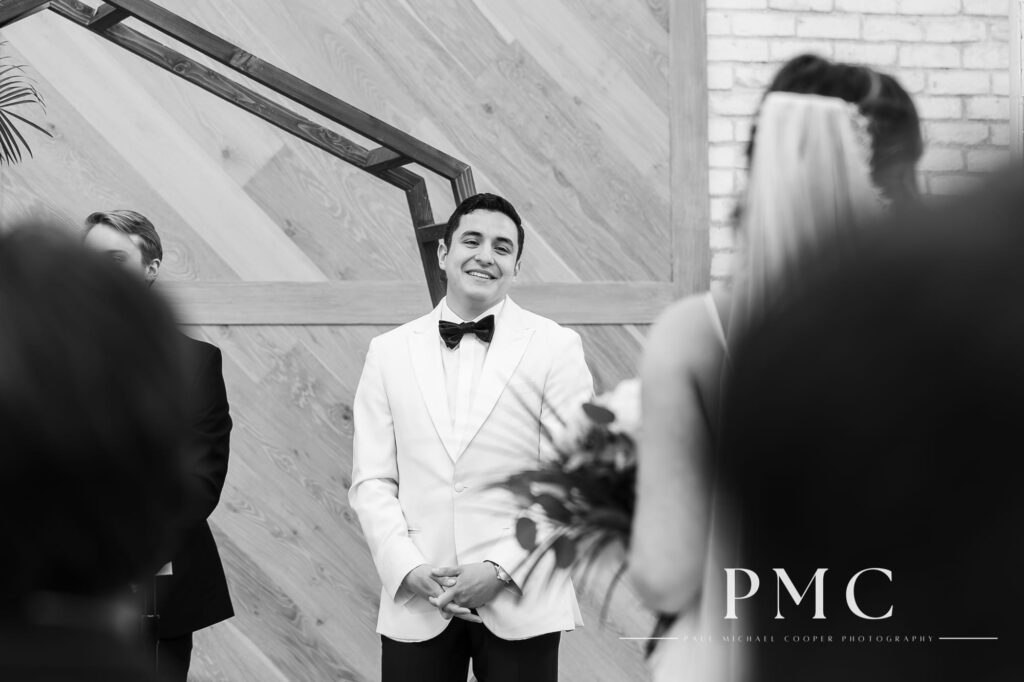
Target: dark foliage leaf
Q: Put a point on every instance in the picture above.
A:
(554, 508)
(599, 415)
(611, 590)
(565, 551)
(526, 533)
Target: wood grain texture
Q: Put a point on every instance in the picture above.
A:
(154, 145)
(565, 107)
(72, 176)
(15, 10)
(1017, 78)
(691, 216)
(359, 303)
(291, 86)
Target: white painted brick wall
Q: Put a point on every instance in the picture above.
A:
(940, 108)
(869, 6)
(988, 108)
(828, 26)
(737, 4)
(802, 5)
(929, 7)
(951, 55)
(994, 8)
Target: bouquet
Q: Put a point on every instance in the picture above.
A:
(584, 497)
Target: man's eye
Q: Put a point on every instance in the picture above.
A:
(117, 258)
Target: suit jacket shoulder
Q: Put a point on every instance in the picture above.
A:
(398, 335)
(198, 354)
(548, 328)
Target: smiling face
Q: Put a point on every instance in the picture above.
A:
(481, 262)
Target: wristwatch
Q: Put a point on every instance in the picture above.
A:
(502, 574)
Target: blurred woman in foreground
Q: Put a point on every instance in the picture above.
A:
(833, 144)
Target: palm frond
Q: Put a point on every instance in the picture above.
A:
(4, 119)
(21, 118)
(9, 152)
(16, 90)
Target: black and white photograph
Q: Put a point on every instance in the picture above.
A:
(511, 340)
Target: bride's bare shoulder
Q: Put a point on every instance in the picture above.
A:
(685, 333)
(691, 316)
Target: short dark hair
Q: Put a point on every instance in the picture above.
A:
(91, 419)
(130, 223)
(485, 202)
(896, 141)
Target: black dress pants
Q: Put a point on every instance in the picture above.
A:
(446, 658)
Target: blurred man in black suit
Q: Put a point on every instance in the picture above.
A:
(195, 595)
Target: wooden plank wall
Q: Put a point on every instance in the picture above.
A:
(1017, 78)
(560, 105)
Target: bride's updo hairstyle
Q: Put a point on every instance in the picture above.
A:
(893, 123)
(834, 146)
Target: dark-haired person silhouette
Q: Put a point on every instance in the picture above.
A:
(872, 420)
(92, 414)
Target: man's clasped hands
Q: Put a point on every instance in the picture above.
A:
(455, 590)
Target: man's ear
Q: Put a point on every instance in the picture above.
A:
(515, 270)
(152, 270)
(442, 253)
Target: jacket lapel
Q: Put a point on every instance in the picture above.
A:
(425, 352)
(511, 337)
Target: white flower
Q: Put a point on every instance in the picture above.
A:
(569, 436)
(624, 403)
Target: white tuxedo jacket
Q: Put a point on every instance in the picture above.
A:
(422, 491)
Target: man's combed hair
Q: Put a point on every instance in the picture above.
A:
(131, 223)
(485, 202)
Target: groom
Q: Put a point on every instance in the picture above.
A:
(448, 404)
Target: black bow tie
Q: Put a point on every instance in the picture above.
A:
(452, 333)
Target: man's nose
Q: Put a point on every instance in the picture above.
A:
(484, 256)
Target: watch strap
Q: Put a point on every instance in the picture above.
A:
(500, 572)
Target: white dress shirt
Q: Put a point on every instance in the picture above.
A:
(463, 366)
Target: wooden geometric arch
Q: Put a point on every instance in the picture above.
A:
(385, 162)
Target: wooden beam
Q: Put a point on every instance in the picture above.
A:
(615, 303)
(235, 93)
(689, 211)
(431, 233)
(382, 158)
(394, 303)
(463, 185)
(15, 10)
(292, 87)
(423, 217)
(296, 302)
(106, 16)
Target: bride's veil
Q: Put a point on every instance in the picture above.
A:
(810, 177)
